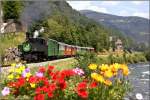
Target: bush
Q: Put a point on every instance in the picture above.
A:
(84, 59)
(134, 57)
(147, 54)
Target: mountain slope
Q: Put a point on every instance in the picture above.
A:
(135, 27)
(66, 25)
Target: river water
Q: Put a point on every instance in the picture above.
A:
(139, 78)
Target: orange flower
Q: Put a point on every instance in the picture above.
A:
(108, 82)
(125, 70)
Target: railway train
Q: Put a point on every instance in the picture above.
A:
(34, 49)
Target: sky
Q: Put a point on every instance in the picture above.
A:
(121, 8)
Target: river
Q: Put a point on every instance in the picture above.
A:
(139, 78)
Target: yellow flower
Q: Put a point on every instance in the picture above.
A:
(115, 67)
(92, 66)
(115, 73)
(18, 70)
(125, 70)
(17, 76)
(32, 85)
(13, 65)
(11, 76)
(97, 77)
(93, 75)
(108, 82)
(27, 79)
(104, 67)
(28, 75)
(22, 67)
(108, 74)
(100, 78)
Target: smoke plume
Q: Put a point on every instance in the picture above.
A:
(34, 11)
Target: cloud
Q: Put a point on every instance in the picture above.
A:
(112, 3)
(124, 13)
(121, 8)
(86, 5)
(98, 9)
(79, 5)
(141, 14)
(137, 2)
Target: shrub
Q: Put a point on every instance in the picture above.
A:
(84, 59)
(147, 54)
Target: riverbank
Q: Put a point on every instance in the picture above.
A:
(123, 57)
(139, 79)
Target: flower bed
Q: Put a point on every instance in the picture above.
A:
(105, 82)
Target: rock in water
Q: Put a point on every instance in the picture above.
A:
(139, 96)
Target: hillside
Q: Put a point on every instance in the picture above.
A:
(135, 27)
(61, 23)
(67, 25)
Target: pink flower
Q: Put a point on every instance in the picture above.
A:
(5, 91)
(27, 70)
(39, 74)
(78, 71)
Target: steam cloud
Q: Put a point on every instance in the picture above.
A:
(35, 11)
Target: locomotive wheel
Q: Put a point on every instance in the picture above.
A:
(31, 57)
(27, 57)
(34, 57)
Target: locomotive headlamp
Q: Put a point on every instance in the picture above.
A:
(26, 47)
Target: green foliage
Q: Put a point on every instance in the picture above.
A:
(117, 59)
(127, 41)
(147, 54)
(134, 57)
(10, 40)
(85, 59)
(12, 9)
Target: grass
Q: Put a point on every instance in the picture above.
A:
(10, 40)
(109, 58)
(60, 65)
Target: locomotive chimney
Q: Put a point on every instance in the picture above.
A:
(36, 34)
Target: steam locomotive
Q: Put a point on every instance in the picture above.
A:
(36, 48)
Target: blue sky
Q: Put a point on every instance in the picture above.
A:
(121, 8)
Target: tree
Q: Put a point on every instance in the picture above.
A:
(12, 9)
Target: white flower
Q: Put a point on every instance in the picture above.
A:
(5, 91)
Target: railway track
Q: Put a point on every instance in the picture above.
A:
(5, 68)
